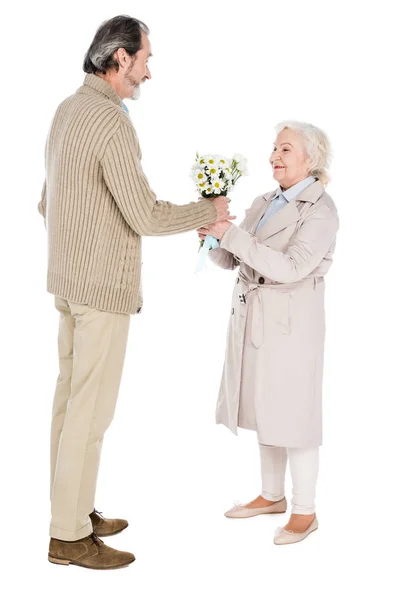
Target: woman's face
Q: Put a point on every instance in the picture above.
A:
(289, 161)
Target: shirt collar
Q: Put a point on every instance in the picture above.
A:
(294, 191)
(124, 106)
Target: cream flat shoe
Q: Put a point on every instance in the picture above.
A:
(282, 536)
(242, 512)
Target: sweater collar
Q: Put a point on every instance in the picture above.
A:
(101, 85)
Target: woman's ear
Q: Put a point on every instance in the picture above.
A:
(309, 166)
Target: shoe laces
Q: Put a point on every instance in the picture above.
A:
(96, 512)
(95, 540)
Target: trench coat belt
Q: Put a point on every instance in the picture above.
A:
(257, 323)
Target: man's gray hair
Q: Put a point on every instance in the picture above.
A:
(317, 146)
(119, 32)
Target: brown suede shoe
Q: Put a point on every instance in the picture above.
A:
(105, 527)
(89, 552)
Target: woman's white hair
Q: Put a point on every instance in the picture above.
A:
(317, 146)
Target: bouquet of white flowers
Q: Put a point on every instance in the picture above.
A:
(214, 176)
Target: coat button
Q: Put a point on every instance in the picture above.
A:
(232, 311)
(237, 280)
(261, 280)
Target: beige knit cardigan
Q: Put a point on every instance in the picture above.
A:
(97, 203)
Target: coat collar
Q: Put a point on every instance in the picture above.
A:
(310, 194)
(293, 192)
(287, 215)
(102, 86)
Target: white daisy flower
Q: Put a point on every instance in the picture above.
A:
(217, 186)
(214, 171)
(198, 164)
(199, 176)
(210, 160)
(216, 177)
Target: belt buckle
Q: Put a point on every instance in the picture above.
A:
(242, 298)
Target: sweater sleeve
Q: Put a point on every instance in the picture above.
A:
(124, 177)
(303, 255)
(42, 204)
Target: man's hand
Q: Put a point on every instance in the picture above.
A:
(217, 230)
(221, 204)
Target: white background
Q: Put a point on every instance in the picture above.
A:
(223, 74)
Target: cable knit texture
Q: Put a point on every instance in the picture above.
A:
(97, 202)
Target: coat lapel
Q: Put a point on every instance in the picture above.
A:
(259, 211)
(290, 213)
(286, 216)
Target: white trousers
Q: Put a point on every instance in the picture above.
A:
(303, 464)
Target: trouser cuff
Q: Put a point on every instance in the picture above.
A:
(71, 536)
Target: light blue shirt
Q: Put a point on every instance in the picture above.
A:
(282, 198)
(124, 106)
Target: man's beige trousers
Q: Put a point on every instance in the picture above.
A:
(91, 345)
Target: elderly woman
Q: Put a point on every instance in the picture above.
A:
(272, 378)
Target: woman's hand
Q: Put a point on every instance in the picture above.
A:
(217, 230)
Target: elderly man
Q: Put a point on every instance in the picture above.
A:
(97, 203)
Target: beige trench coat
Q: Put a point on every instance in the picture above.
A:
(272, 376)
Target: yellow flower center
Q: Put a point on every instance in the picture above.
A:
(217, 184)
(211, 161)
(213, 170)
(200, 175)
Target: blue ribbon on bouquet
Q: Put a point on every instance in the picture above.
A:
(210, 243)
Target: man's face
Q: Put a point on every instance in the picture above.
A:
(137, 70)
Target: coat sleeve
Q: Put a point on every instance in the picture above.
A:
(223, 258)
(125, 179)
(42, 204)
(305, 252)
